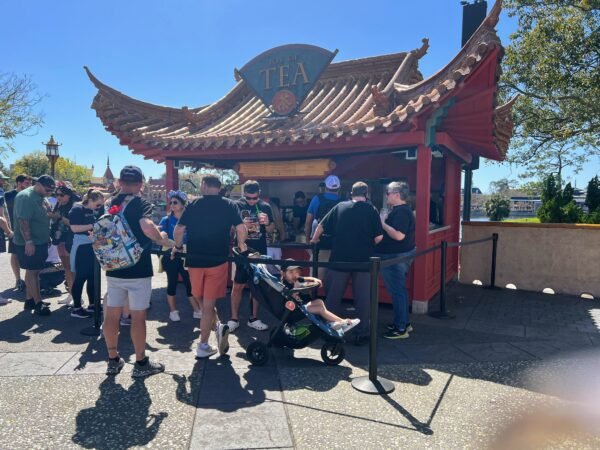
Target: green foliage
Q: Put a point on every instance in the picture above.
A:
(532, 188)
(18, 99)
(552, 61)
(592, 218)
(592, 198)
(502, 186)
(497, 207)
(558, 206)
(36, 164)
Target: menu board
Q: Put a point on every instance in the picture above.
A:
(284, 169)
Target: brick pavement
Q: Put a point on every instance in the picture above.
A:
(457, 381)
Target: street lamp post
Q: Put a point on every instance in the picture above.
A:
(52, 153)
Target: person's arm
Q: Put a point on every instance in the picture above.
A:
(178, 234)
(308, 224)
(312, 280)
(397, 235)
(153, 233)
(5, 226)
(317, 236)
(81, 228)
(378, 239)
(311, 212)
(241, 234)
(26, 232)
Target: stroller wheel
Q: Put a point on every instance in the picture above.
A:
(257, 353)
(332, 353)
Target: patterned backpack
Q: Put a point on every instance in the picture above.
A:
(114, 244)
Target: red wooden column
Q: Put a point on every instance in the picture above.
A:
(172, 181)
(452, 208)
(422, 228)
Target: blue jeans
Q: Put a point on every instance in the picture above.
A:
(394, 277)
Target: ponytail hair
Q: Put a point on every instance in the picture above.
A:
(92, 195)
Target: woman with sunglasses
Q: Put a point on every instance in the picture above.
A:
(82, 217)
(60, 231)
(174, 267)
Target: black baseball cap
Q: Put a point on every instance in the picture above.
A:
(131, 174)
(46, 180)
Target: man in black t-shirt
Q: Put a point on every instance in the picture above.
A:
(398, 240)
(257, 216)
(207, 224)
(356, 229)
(22, 182)
(132, 284)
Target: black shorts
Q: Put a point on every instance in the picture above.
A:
(2, 245)
(35, 262)
(241, 274)
(12, 248)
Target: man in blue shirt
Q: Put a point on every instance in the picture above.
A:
(319, 206)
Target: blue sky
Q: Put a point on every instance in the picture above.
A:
(183, 52)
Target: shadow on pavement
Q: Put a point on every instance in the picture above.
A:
(120, 419)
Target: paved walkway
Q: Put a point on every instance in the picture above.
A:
(458, 382)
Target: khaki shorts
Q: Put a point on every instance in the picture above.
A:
(209, 282)
(136, 290)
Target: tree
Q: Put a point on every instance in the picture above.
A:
(532, 188)
(552, 61)
(497, 207)
(18, 99)
(592, 198)
(502, 186)
(36, 164)
(558, 206)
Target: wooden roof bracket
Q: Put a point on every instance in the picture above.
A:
(435, 120)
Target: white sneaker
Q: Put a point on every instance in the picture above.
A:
(4, 301)
(258, 325)
(197, 314)
(222, 338)
(233, 325)
(205, 351)
(67, 299)
(349, 324)
(174, 316)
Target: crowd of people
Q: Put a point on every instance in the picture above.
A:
(203, 231)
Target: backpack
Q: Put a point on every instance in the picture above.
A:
(114, 244)
(325, 205)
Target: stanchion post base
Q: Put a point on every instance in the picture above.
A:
(442, 315)
(90, 331)
(379, 387)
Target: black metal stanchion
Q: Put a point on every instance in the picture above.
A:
(443, 312)
(95, 329)
(315, 265)
(494, 252)
(373, 384)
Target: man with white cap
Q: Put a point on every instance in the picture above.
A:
(319, 206)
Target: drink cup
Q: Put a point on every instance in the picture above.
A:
(383, 214)
(263, 218)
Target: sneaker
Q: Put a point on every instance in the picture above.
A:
(197, 314)
(20, 286)
(349, 324)
(233, 325)
(392, 327)
(41, 310)
(257, 324)
(145, 370)
(115, 366)
(205, 351)
(174, 316)
(90, 309)
(125, 321)
(336, 325)
(66, 300)
(396, 334)
(4, 301)
(80, 313)
(223, 338)
(29, 304)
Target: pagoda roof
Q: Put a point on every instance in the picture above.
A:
(352, 99)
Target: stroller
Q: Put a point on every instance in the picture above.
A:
(298, 328)
(53, 273)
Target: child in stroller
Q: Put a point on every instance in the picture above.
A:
(298, 327)
(291, 277)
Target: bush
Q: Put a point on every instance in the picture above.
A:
(497, 208)
(592, 218)
(592, 198)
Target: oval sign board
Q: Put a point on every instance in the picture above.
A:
(283, 76)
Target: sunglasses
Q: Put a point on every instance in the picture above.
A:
(390, 192)
(251, 198)
(174, 203)
(61, 195)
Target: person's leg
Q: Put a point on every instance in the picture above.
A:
(65, 260)
(32, 280)
(361, 294)
(115, 299)
(391, 278)
(236, 299)
(139, 291)
(318, 308)
(171, 269)
(14, 265)
(336, 286)
(185, 276)
(138, 333)
(77, 290)
(209, 317)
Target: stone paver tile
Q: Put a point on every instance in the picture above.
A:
(2, 354)
(33, 363)
(253, 385)
(495, 351)
(496, 327)
(437, 353)
(549, 348)
(557, 333)
(262, 425)
(236, 359)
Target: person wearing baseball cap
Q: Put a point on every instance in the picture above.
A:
(318, 208)
(132, 284)
(32, 233)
